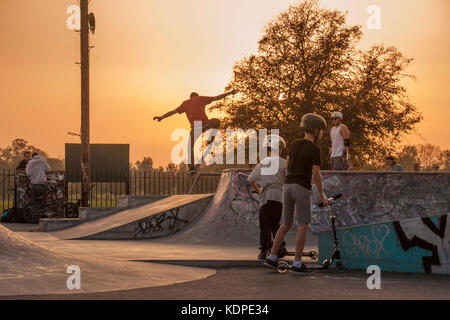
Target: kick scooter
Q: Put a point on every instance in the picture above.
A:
(283, 266)
(336, 255)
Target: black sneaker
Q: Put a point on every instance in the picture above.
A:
(282, 252)
(271, 264)
(303, 270)
(262, 255)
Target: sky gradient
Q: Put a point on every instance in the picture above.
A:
(150, 54)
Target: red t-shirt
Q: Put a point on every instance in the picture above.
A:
(195, 109)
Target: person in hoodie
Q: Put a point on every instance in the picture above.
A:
(36, 171)
(267, 178)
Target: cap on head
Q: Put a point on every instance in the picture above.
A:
(194, 94)
(336, 114)
(274, 141)
(311, 121)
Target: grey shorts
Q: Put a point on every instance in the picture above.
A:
(337, 163)
(296, 200)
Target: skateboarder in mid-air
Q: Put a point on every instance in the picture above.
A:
(195, 111)
(269, 185)
(303, 163)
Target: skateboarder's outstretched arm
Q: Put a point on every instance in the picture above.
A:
(224, 95)
(166, 115)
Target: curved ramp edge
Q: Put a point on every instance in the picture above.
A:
(156, 219)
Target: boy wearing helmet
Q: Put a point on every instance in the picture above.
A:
(339, 137)
(267, 178)
(303, 164)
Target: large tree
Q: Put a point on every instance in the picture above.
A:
(427, 155)
(11, 155)
(17, 148)
(307, 61)
(145, 165)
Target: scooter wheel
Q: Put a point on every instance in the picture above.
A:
(314, 255)
(326, 263)
(339, 266)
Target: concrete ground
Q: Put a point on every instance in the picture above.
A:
(175, 271)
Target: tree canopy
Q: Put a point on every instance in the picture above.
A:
(308, 61)
(11, 155)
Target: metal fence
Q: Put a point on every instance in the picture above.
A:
(104, 193)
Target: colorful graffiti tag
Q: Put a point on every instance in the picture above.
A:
(434, 238)
(413, 245)
(165, 221)
(244, 201)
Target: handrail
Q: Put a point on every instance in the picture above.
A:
(197, 178)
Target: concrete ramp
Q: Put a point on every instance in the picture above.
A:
(231, 218)
(153, 220)
(27, 268)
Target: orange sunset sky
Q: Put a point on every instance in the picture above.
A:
(150, 54)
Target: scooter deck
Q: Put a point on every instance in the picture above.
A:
(312, 254)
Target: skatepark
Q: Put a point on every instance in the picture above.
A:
(397, 221)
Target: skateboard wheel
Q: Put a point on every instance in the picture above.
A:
(283, 266)
(314, 255)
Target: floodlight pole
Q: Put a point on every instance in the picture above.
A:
(85, 138)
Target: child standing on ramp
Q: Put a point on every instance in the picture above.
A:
(303, 163)
(267, 178)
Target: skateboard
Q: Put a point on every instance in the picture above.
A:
(283, 266)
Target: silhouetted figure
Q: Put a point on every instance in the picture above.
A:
(194, 108)
(22, 166)
(36, 170)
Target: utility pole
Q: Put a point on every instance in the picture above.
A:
(85, 136)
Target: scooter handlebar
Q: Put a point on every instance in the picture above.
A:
(331, 200)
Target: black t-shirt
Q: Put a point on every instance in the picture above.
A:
(303, 155)
(22, 165)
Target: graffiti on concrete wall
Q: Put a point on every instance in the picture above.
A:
(369, 245)
(429, 236)
(381, 197)
(412, 245)
(366, 197)
(244, 202)
(165, 221)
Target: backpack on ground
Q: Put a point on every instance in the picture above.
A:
(9, 215)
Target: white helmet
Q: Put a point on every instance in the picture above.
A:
(336, 114)
(274, 141)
